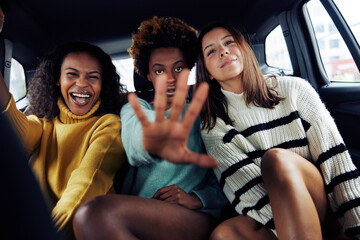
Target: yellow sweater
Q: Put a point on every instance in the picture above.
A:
(74, 157)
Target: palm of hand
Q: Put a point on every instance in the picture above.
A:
(167, 137)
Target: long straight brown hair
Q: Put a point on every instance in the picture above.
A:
(256, 90)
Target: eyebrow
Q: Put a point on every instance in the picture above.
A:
(74, 69)
(226, 36)
(160, 65)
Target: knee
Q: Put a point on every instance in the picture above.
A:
(224, 232)
(277, 167)
(90, 215)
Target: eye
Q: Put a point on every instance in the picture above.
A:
(178, 69)
(229, 42)
(71, 74)
(210, 52)
(159, 71)
(94, 77)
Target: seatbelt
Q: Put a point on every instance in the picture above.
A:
(8, 47)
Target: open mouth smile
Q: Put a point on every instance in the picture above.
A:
(80, 98)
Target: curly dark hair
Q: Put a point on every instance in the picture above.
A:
(44, 92)
(162, 32)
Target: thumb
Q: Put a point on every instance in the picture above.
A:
(202, 160)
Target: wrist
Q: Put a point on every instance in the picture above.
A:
(197, 204)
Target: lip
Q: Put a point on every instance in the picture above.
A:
(170, 91)
(80, 97)
(227, 62)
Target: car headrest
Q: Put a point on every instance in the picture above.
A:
(143, 87)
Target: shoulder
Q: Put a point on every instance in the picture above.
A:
(110, 119)
(128, 109)
(291, 82)
(290, 86)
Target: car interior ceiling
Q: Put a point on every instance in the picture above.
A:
(36, 26)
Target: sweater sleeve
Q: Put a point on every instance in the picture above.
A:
(29, 129)
(131, 134)
(210, 193)
(237, 172)
(342, 182)
(94, 176)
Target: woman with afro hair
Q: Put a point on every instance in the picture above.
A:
(167, 200)
(72, 128)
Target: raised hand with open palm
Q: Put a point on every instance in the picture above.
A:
(167, 137)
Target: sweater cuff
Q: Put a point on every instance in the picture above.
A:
(202, 196)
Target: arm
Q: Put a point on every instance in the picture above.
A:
(94, 176)
(131, 134)
(342, 182)
(167, 137)
(4, 94)
(28, 129)
(239, 171)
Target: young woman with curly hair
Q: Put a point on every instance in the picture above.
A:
(73, 132)
(167, 200)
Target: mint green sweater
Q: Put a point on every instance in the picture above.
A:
(154, 173)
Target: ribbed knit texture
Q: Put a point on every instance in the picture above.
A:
(73, 157)
(301, 124)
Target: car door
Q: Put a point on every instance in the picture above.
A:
(323, 40)
(339, 52)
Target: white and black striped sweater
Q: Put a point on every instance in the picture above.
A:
(300, 123)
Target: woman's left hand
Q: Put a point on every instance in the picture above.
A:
(174, 194)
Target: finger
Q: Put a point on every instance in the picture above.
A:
(134, 102)
(162, 191)
(170, 199)
(195, 106)
(201, 160)
(167, 195)
(180, 95)
(160, 98)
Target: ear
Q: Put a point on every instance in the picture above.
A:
(211, 77)
(148, 77)
(58, 83)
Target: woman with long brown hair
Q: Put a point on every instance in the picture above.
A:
(282, 162)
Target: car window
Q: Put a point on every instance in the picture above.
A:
(335, 55)
(350, 11)
(125, 68)
(17, 80)
(276, 51)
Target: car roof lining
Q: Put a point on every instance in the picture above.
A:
(110, 25)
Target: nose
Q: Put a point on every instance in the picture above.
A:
(82, 81)
(170, 77)
(224, 51)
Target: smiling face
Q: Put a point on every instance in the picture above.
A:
(223, 59)
(166, 63)
(80, 82)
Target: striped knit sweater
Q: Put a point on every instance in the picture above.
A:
(300, 123)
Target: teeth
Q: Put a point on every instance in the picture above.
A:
(80, 95)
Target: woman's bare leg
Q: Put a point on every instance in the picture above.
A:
(297, 195)
(241, 228)
(131, 217)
